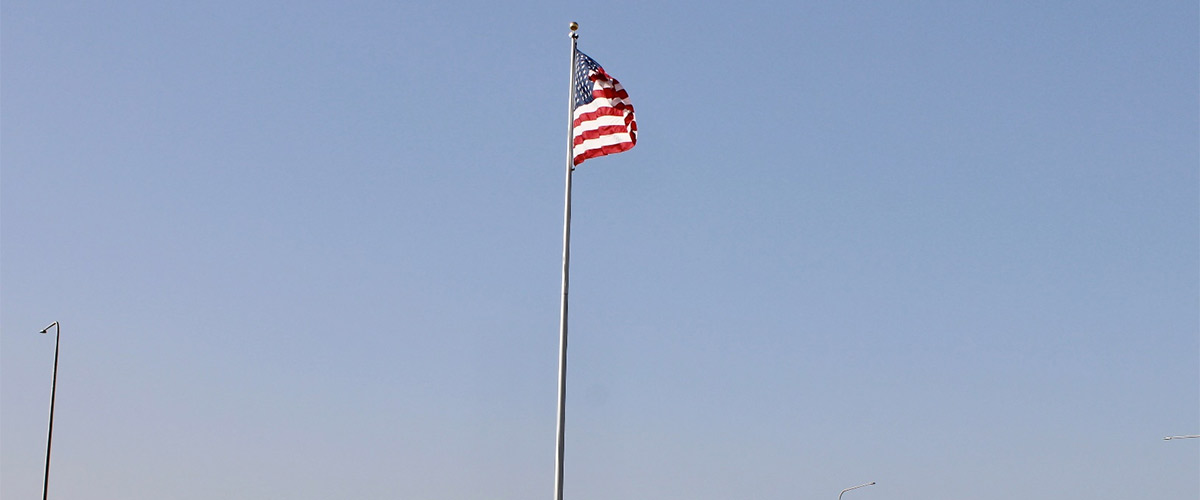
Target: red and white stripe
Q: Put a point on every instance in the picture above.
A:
(606, 125)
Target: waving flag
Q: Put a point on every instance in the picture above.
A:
(604, 122)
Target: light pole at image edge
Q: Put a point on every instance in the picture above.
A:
(53, 389)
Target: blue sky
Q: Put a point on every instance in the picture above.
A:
(311, 250)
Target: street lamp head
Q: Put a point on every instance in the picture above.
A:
(854, 488)
(52, 325)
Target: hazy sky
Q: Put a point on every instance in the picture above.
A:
(311, 250)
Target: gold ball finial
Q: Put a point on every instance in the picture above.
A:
(574, 25)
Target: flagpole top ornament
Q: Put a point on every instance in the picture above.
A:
(574, 26)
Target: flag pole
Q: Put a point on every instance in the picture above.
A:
(566, 265)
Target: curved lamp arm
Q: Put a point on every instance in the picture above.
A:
(854, 488)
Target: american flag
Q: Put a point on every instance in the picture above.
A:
(604, 122)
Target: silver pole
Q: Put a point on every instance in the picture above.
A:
(566, 265)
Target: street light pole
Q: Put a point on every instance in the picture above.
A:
(853, 488)
(53, 389)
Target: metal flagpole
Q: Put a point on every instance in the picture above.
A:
(566, 265)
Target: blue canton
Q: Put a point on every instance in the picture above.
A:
(584, 66)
